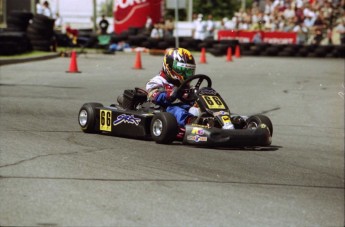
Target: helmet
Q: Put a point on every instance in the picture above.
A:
(178, 65)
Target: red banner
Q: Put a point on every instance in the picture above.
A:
(134, 13)
(266, 37)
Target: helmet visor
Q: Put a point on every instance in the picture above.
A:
(184, 69)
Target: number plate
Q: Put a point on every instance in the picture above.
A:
(213, 102)
(105, 120)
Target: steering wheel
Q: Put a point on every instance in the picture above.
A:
(183, 86)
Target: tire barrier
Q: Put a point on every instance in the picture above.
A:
(18, 21)
(138, 38)
(41, 32)
(13, 39)
(12, 43)
(285, 50)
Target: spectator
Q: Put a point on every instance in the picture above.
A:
(46, 10)
(309, 21)
(228, 24)
(194, 21)
(257, 38)
(302, 32)
(244, 24)
(169, 27)
(103, 25)
(58, 22)
(339, 31)
(157, 31)
(120, 46)
(289, 12)
(72, 34)
(39, 8)
(210, 26)
(317, 38)
(148, 24)
(200, 28)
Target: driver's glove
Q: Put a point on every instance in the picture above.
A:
(172, 94)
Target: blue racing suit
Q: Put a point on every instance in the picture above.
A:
(159, 92)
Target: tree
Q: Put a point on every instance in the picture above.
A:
(106, 8)
(218, 8)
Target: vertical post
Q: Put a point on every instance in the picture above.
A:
(32, 7)
(94, 17)
(243, 5)
(176, 28)
(190, 10)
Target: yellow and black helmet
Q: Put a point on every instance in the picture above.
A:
(178, 65)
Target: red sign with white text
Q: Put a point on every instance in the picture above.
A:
(134, 13)
(266, 37)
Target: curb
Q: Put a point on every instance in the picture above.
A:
(29, 59)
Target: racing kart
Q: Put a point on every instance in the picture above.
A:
(134, 116)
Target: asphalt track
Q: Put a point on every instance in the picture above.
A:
(53, 174)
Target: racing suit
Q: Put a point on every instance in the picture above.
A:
(160, 92)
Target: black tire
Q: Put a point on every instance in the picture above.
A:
(163, 45)
(9, 48)
(260, 119)
(163, 128)
(215, 52)
(87, 117)
(22, 15)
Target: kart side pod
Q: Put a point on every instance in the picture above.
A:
(215, 137)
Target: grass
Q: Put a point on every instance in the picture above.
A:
(35, 53)
(31, 54)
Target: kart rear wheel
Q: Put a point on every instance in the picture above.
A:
(163, 128)
(87, 117)
(255, 120)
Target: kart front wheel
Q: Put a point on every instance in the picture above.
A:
(87, 117)
(256, 120)
(163, 128)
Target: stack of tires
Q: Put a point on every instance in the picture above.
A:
(221, 48)
(12, 43)
(18, 21)
(41, 32)
(13, 39)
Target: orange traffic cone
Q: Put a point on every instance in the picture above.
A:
(73, 67)
(237, 52)
(137, 64)
(203, 55)
(229, 55)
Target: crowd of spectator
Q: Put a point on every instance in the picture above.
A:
(314, 21)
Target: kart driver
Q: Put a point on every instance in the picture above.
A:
(178, 65)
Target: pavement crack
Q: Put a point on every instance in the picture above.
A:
(47, 155)
(197, 181)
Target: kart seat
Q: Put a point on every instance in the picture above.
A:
(130, 99)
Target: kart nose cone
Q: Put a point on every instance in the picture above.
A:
(83, 118)
(157, 127)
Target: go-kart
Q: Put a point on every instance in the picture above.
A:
(134, 116)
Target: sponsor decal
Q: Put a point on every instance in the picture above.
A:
(128, 119)
(207, 91)
(226, 119)
(123, 4)
(198, 131)
(220, 113)
(200, 126)
(263, 126)
(134, 13)
(197, 138)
